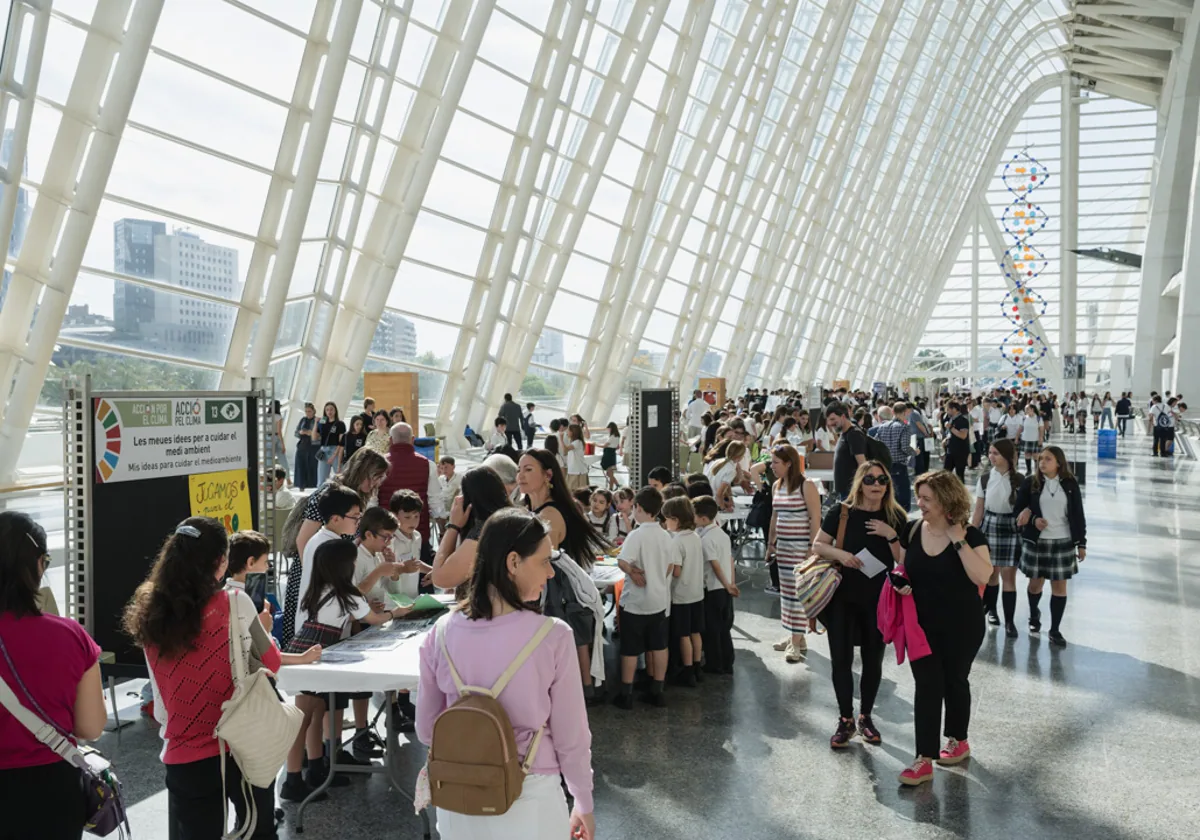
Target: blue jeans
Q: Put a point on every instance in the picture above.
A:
(324, 468)
(901, 487)
(1106, 417)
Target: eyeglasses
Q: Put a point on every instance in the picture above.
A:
(354, 518)
(871, 480)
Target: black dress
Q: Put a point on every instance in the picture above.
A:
(950, 611)
(306, 455)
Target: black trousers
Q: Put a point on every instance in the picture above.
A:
(195, 801)
(852, 624)
(1121, 423)
(44, 802)
(956, 462)
(718, 629)
(529, 440)
(921, 461)
(942, 681)
(514, 438)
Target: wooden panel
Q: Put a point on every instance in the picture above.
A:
(392, 389)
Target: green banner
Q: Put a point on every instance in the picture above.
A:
(223, 411)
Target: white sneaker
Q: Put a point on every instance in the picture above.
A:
(794, 653)
(783, 645)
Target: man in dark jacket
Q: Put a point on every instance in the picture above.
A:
(409, 470)
(511, 412)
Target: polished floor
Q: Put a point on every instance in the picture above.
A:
(1098, 741)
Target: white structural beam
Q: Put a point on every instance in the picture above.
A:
(293, 181)
(402, 195)
(81, 157)
(1068, 190)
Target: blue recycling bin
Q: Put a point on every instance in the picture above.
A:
(1106, 443)
(426, 446)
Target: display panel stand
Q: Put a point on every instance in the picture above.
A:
(654, 431)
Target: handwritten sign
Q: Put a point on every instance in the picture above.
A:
(224, 496)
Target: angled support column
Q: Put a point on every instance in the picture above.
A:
(96, 111)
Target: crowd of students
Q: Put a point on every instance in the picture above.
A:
(517, 536)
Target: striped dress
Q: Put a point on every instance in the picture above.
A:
(793, 535)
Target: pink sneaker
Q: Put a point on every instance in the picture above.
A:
(919, 772)
(954, 752)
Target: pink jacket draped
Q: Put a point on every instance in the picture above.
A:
(897, 618)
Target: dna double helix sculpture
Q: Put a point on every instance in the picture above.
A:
(1023, 264)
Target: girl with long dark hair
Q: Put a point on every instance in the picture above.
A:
(994, 515)
(180, 617)
(482, 494)
(1054, 531)
(475, 644)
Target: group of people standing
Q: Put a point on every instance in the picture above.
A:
(326, 443)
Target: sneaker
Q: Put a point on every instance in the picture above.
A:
(366, 745)
(771, 589)
(1035, 621)
(1010, 630)
(794, 653)
(623, 701)
(843, 735)
(992, 618)
(782, 645)
(866, 728)
(1056, 639)
(803, 646)
(297, 790)
(402, 722)
(315, 775)
(954, 752)
(919, 772)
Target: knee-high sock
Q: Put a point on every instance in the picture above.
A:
(990, 593)
(1010, 606)
(1035, 598)
(1058, 604)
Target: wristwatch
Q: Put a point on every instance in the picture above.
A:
(894, 539)
(958, 544)
(450, 525)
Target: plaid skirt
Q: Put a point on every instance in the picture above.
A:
(1003, 539)
(1030, 447)
(1049, 559)
(989, 435)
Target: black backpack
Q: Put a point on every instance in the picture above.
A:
(877, 450)
(760, 509)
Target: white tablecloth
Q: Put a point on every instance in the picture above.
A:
(606, 577)
(371, 670)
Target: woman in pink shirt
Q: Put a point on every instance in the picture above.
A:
(51, 665)
(483, 637)
(180, 617)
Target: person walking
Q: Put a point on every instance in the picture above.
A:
(1106, 411)
(946, 560)
(958, 440)
(795, 506)
(872, 520)
(1124, 413)
(995, 497)
(895, 435)
(1054, 530)
(513, 422)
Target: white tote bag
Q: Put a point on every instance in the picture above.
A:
(258, 728)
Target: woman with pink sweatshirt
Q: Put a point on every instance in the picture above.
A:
(482, 639)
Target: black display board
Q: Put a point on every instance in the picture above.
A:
(659, 433)
(130, 520)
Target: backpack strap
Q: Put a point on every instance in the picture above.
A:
(515, 665)
(912, 532)
(842, 519)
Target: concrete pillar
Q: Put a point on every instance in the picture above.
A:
(1069, 222)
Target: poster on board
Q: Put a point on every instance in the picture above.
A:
(224, 496)
(162, 437)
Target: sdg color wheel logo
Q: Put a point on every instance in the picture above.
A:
(108, 440)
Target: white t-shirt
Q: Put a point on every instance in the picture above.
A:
(1054, 510)
(977, 419)
(652, 550)
(407, 548)
(364, 564)
(695, 411)
(724, 475)
(306, 565)
(998, 492)
(613, 442)
(718, 548)
(497, 440)
(575, 463)
(609, 530)
(824, 440)
(1029, 428)
(688, 588)
(776, 428)
(332, 614)
(1012, 425)
(1165, 411)
(451, 487)
(995, 417)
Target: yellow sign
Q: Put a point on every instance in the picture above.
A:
(224, 496)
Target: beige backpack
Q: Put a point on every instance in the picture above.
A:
(473, 765)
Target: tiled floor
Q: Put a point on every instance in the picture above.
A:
(1100, 740)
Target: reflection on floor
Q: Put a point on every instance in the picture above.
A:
(1100, 740)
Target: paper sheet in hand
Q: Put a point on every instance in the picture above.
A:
(422, 602)
(872, 565)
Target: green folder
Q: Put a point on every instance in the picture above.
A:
(422, 602)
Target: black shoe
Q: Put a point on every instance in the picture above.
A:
(1010, 630)
(699, 672)
(1056, 639)
(686, 677)
(402, 722)
(658, 700)
(993, 619)
(623, 701)
(366, 745)
(1035, 621)
(771, 589)
(297, 790)
(314, 776)
(347, 757)
(843, 735)
(591, 697)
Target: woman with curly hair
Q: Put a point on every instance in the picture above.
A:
(946, 560)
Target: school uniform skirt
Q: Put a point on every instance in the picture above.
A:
(540, 813)
(1003, 540)
(1049, 559)
(1030, 447)
(608, 458)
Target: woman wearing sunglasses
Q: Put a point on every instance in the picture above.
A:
(873, 520)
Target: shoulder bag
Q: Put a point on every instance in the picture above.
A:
(257, 727)
(105, 809)
(818, 578)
